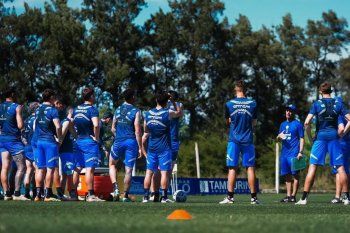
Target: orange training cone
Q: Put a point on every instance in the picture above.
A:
(179, 215)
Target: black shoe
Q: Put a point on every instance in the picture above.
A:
(285, 200)
(336, 201)
(292, 199)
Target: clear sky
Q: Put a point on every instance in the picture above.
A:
(259, 12)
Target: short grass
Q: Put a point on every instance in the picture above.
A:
(208, 216)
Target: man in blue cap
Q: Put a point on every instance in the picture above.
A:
(291, 133)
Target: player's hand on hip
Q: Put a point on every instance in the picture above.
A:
(300, 155)
(140, 154)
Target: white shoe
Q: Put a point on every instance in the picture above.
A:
(167, 200)
(8, 198)
(254, 201)
(301, 202)
(145, 199)
(346, 201)
(20, 198)
(93, 198)
(227, 200)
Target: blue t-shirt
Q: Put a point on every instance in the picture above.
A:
(8, 123)
(174, 123)
(293, 130)
(67, 144)
(242, 112)
(158, 123)
(82, 120)
(342, 120)
(125, 116)
(29, 129)
(44, 127)
(327, 112)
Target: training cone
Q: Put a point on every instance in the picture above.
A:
(179, 215)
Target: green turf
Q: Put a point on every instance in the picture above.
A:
(318, 216)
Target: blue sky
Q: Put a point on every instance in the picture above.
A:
(260, 12)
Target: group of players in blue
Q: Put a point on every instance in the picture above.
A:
(59, 141)
(55, 133)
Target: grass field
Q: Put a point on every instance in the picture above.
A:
(208, 216)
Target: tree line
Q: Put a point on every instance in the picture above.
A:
(192, 49)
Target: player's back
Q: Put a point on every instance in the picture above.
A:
(8, 122)
(125, 116)
(158, 123)
(83, 115)
(67, 143)
(44, 126)
(241, 112)
(29, 129)
(327, 112)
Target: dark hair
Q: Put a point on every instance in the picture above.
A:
(326, 88)
(87, 93)
(62, 100)
(48, 94)
(162, 97)
(240, 84)
(10, 93)
(174, 94)
(128, 94)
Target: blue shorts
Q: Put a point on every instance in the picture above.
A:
(14, 147)
(234, 150)
(28, 153)
(127, 149)
(67, 163)
(345, 145)
(47, 154)
(286, 166)
(175, 146)
(88, 153)
(319, 150)
(161, 161)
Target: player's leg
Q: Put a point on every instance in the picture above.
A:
(28, 178)
(232, 159)
(6, 165)
(155, 186)
(285, 172)
(115, 155)
(19, 159)
(52, 158)
(248, 161)
(152, 166)
(40, 172)
(131, 154)
(165, 166)
(67, 167)
(57, 176)
(295, 187)
(317, 158)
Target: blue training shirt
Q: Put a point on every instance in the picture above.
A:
(44, 127)
(158, 123)
(342, 120)
(327, 112)
(125, 116)
(293, 130)
(174, 123)
(82, 119)
(29, 129)
(241, 112)
(67, 144)
(8, 123)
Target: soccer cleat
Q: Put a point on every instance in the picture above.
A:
(227, 200)
(37, 199)
(21, 198)
(166, 200)
(285, 199)
(116, 195)
(292, 199)
(336, 201)
(254, 201)
(51, 199)
(8, 198)
(346, 201)
(93, 198)
(301, 202)
(145, 199)
(126, 199)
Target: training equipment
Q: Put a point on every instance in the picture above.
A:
(227, 200)
(180, 196)
(173, 181)
(179, 215)
(298, 164)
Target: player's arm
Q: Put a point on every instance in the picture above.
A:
(65, 128)
(58, 127)
(72, 130)
(307, 125)
(114, 125)
(301, 147)
(178, 112)
(145, 139)
(138, 132)
(19, 117)
(96, 128)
